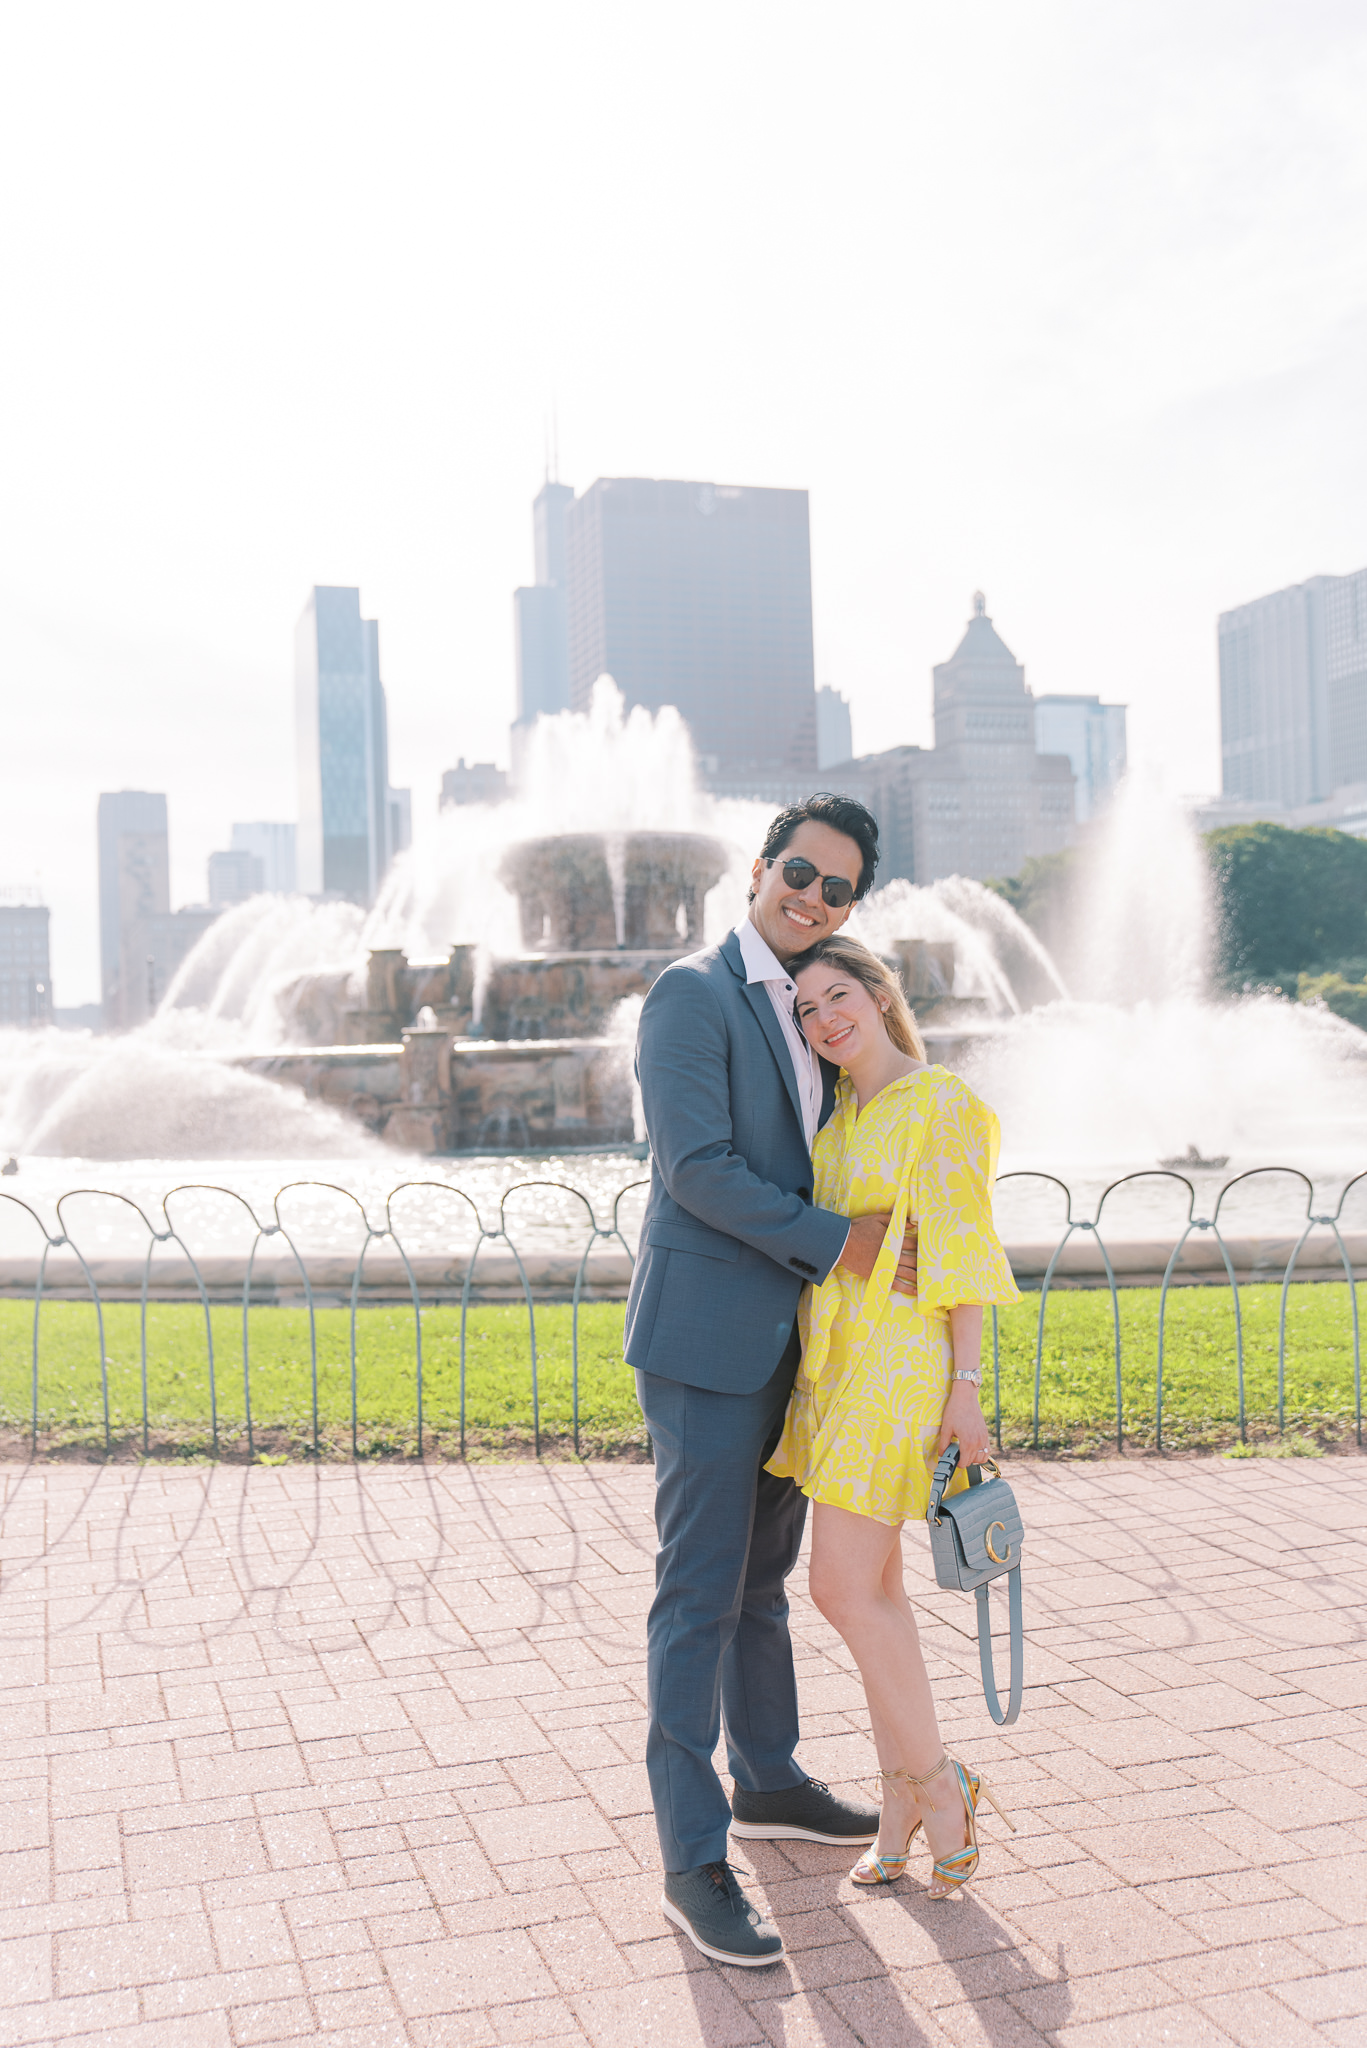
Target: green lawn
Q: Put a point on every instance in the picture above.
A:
(1077, 1394)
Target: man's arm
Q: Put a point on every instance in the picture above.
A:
(682, 1058)
(864, 1243)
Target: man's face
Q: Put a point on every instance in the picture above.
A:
(790, 920)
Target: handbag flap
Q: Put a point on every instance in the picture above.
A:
(987, 1523)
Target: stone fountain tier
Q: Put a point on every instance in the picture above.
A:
(564, 995)
(541, 995)
(433, 1094)
(594, 892)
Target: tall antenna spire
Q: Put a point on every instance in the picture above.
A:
(555, 441)
(545, 449)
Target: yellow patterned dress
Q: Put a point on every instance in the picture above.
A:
(870, 1392)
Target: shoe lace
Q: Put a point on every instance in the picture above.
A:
(818, 1785)
(726, 1878)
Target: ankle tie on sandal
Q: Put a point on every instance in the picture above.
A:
(890, 1777)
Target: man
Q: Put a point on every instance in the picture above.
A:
(733, 1097)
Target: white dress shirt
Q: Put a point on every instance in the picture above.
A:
(762, 966)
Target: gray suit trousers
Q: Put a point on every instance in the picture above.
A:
(718, 1649)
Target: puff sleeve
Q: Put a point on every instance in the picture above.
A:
(959, 1256)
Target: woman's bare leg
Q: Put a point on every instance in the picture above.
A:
(856, 1581)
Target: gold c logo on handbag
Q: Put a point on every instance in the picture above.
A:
(991, 1547)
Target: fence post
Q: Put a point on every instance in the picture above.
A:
(37, 1304)
(49, 1244)
(389, 1232)
(1281, 1327)
(1095, 1228)
(1162, 1315)
(246, 1347)
(1039, 1338)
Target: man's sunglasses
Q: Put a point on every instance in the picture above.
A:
(836, 892)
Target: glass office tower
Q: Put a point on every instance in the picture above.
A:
(700, 595)
(135, 884)
(1092, 735)
(543, 650)
(342, 742)
(1293, 691)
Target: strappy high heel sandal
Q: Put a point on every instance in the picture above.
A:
(958, 1866)
(871, 1869)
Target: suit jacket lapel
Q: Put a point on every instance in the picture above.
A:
(758, 997)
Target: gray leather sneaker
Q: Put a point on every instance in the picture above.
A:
(809, 1812)
(712, 1910)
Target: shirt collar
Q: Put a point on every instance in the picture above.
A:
(761, 964)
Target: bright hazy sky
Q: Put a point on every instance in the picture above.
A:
(1061, 300)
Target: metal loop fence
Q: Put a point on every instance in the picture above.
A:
(525, 1203)
(1192, 1222)
(484, 1234)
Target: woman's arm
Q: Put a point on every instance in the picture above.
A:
(963, 1417)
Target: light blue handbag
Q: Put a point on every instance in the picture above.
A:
(974, 1537)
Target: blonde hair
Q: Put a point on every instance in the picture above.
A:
(882, 982)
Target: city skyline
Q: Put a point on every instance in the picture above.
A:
(1317, 632)
(1122, 404)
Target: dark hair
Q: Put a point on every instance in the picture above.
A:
(843, 814)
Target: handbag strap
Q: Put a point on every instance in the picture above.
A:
(1013, 1705)
(944, 1472)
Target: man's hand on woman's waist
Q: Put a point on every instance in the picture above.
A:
(865, 1241)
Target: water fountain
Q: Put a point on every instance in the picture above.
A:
(436, 1058)
(518, 1035)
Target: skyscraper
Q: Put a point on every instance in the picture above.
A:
(234, 876)
(699, 595)
(834, 733)
(539, 618)
(1293, 691)
(1345, 676)
(142, 940)
(25, 976)
(1092, 735)
(273, 845)
(135, 882)
(342, 748)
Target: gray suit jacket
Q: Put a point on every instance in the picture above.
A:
(730, 1231)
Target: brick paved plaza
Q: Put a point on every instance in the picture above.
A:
(354, 1755)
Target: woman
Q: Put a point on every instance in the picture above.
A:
(886, 1382)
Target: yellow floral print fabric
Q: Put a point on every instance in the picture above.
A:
(875, 1374)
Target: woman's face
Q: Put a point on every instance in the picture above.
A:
(838, 1015)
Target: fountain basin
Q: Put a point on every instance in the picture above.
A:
(434, 1093)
